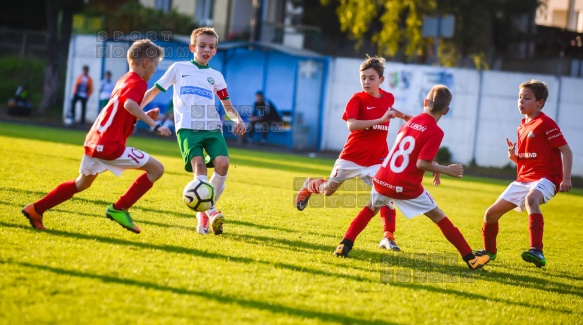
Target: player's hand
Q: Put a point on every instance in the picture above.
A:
(154, 114)
(389, 114)
(565, 186)
(164, 131)
(455, 170)
(436, 176)
(240, 128)
(436, 179)
(511, 150)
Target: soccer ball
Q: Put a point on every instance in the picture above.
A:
(199, 195)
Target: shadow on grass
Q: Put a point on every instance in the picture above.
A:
(185, 250)
(475, 297)
(223, 299)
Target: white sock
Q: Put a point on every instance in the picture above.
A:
(202, 178)
(218, 182)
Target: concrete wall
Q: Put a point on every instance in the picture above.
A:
(483, 112)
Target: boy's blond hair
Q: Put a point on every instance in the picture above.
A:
(438, 99)
(144, 49)
(375, 63)
(203, 30)
(538, 88)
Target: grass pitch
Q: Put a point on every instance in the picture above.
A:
(274, 264)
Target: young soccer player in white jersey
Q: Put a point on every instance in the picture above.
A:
(400, 176)
(105, 144)
(198, 124)
(367, 116)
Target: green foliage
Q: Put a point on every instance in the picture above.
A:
(274, 264)
(16, 71)
(443, 156)
(132, 16)
(483, 29)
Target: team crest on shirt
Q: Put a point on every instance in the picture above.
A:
(530, 134)
(210, 80)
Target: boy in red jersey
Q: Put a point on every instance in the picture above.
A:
(367, 116)
(541, 172)
(399, 178)
(105, 144)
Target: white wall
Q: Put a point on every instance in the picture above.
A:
(483, 111)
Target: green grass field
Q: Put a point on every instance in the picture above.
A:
(274, 264)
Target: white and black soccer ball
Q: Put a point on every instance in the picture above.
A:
(199, 195)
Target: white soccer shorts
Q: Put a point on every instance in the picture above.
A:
(516, 192)
(410, 208)
(131, 158)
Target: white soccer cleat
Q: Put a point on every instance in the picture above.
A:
(389, 244)
(202, 226)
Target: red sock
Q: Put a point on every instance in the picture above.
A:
(535, 228)
(388, 218)
(60, 194)
(359, 223)
(314, 186)
(489, 233)
(138, 188)
(454, 236)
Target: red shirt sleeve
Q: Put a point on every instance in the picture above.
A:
(352, 108)
(135, 91)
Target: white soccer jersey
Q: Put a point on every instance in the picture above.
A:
(194, 95)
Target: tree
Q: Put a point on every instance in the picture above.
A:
(59, 13)
(482, 28)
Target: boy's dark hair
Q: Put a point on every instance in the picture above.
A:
(376, 63)
(203, 30)
(144, 49)
(438, 99)
(539, 89)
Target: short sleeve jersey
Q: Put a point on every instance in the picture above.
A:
(108, 135)
(194, 93)
(538, 153)
(369, 146)
(399, 177)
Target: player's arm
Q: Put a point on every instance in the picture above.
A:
(512, 151)
(150, 94)
(401, 115)
(453, 170)
(232, 113)
(566, 185)
(135, 109)
(355, 125)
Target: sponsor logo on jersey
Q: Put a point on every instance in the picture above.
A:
(210, 80)
(369, 107)
(555, 136)
(553, 130)
(531, 134)
(525, 155)
(189, 90)
(185, 75)
(380, 127)
(99, 148)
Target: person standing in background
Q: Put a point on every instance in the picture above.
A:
(105, 90)
(81, 92)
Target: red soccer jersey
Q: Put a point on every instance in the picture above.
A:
(538, 153)
(108, 135)
(367, 147)
(399, 177)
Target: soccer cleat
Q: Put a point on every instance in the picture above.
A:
(303, 195)
(202, 226)
(123, 218)
(485, 252)
(344, 248)
(35, 218)
(388, 243)
(535, 256)
(216, 219)
(478, 262)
